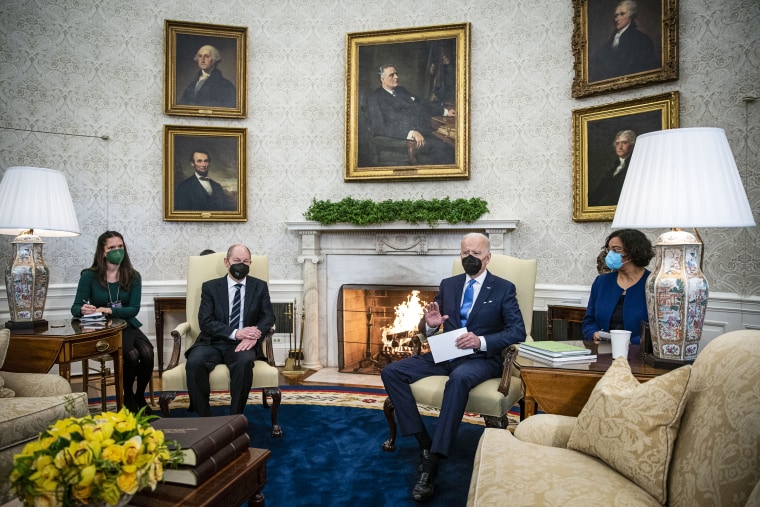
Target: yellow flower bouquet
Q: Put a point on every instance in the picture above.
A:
(92, 460)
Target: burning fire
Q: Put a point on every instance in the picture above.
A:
(396, 337)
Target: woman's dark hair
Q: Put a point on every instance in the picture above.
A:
(127, 273)
(637, 246)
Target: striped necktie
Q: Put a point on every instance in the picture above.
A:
(235, 313)
(466, 302)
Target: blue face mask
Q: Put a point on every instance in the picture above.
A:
(613, 260)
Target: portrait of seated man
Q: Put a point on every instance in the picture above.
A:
(394, 112)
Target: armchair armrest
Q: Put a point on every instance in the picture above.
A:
(179, 334)
(506, 375)
(267, 345)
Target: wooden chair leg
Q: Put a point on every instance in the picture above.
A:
(164, 399)
(276, 395)
(496, 422)
(103, 384)
(390, 415)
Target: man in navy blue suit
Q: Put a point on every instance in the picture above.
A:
(230, 332)
(493, 321)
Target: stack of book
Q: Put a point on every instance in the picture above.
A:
(93, 322)
(553, 353)
(208, 444)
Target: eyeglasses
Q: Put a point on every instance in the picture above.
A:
(615, 249)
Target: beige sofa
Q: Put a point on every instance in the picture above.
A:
(29, 402)
(702, 447)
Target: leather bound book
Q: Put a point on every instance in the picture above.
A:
(201, 437)
(195, 475)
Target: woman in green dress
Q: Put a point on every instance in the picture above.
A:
(112, 286)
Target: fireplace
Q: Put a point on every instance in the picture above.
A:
(376, 324)
(398, 254)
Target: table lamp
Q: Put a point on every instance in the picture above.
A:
(680, 178)
(34, 202)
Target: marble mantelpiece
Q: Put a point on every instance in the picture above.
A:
(393, 253)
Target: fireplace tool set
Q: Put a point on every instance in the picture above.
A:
(295, 355)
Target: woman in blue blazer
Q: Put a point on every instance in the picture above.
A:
(617, 299)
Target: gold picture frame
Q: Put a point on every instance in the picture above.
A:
(205, 70)
(646, 51)
(597, 166)
(433, 67)
(220, 153)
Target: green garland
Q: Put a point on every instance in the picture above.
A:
(368, 212)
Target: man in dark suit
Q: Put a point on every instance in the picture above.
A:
(396, 113)
(209, 88)
(493, 320)
(199, 192)
(235, 312)
(627, 51)
(608, 188)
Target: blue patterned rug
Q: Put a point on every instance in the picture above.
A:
(331, 455)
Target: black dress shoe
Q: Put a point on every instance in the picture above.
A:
(424, 455)
(424, 489)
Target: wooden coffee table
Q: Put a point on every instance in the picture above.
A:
(565, 390)
(239, 482)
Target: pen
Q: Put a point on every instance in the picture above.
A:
(86, 301)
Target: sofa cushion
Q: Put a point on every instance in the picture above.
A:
(510, 472)
(631, 426)
(23, 419)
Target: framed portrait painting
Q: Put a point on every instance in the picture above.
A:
(205, 70)
(604, 138)
(205, 174)
(407, 104)
(621, 44)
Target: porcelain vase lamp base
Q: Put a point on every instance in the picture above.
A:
(26, 282)
(676, 293)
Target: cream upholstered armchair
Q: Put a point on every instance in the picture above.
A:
(493, 398)
(265, 375)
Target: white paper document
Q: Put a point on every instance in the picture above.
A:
(443, 348)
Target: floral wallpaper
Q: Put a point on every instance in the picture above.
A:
(81, 90)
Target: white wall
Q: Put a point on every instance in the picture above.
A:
(73, 72)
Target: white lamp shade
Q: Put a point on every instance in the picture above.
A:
(682, 178)
(38, 199)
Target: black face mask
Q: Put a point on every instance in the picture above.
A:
(471, 265)
(239, 271)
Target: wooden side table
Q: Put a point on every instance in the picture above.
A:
(565, 390)
(565, 313)
(161, 305)
(37, 350)
(239, 482)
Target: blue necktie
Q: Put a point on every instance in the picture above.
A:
(235, 314)
(466, 302)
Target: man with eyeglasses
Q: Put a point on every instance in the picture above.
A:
(235, 312)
